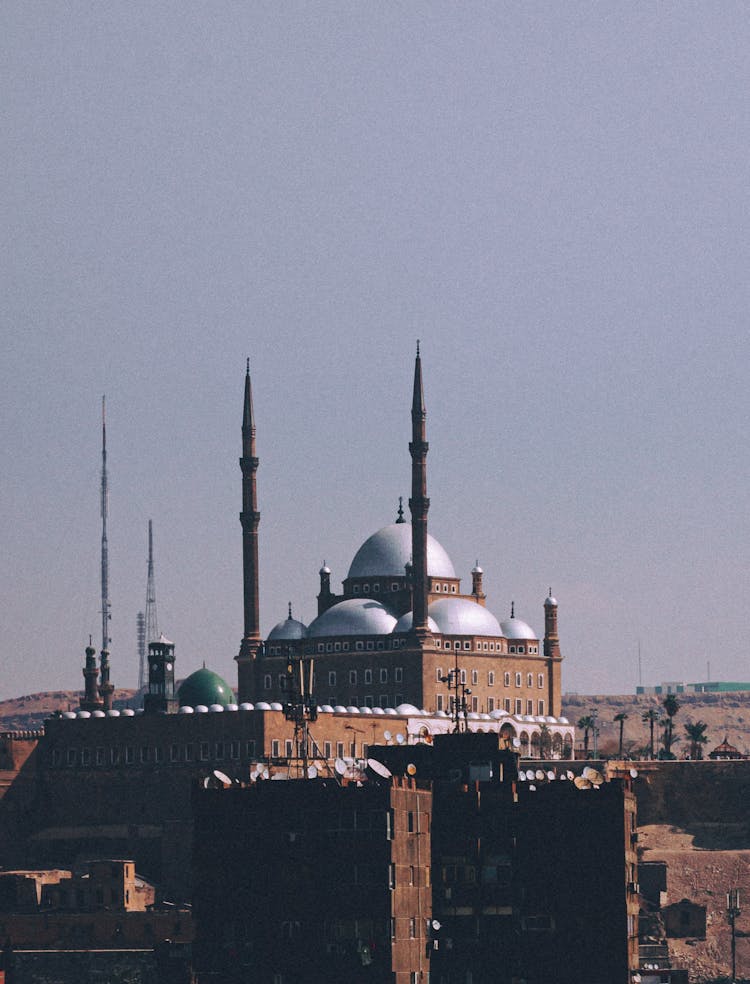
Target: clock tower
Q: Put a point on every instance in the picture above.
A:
(160, 696)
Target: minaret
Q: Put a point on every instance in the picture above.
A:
(476, 583)
(106, 688)
(419, 504)
(105, 556)
(91, 700)
(249, 518)
(553, 656)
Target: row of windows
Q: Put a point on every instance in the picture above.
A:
(512, 706)
(394, 643)
(369, 700)
(203, 751)
(383, 675)
(315, 750)
(491, 678)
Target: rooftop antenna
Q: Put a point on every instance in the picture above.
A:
(640, 677)
(140, 622)
(152, 629)
(106, 613)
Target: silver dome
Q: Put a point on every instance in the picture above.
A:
(406, 621)
(387, 552)
(459, 616)
(355, 616)
(290, 628)
(515, 628)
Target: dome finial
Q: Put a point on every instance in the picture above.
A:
(247, 371)
(512, 609)
(417, 348)
(400, 517)
(290, 609)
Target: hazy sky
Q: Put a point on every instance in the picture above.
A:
(553, 197)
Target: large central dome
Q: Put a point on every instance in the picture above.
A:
(387, 552)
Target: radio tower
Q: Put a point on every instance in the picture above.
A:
(106, 614)
(140, 624)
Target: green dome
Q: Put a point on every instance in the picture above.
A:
(205, 687)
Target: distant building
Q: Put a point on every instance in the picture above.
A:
(680, 687)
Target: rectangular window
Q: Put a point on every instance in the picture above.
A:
(234, 750)
(368, 676)
(475, 704)
(540, 705)
(275, 749)
(129, 755)
(439, 702)
(174, 753)
(219, 750)
(339, 749)
(145, 753)
(519, 706)
(506, 679)
(267, 681)
(467, 645)
(474, 678)
(189, 752)
(205, 751)
(85, 756)
(158, 754)
(398, 674)
(439, 675)
(383, 675)
(383, 700)
(412, 928)
(288, 748)
(326, 749)
(518, 679)
(398, 699)
(540, 681)
(447, 644)
(353, 677)
(491, 678)
(490, 705)
(506, 704)
(250, 748)
(463, 676)
(72, 757)
(331, 678)
(529, 679)
(391, 875)
(529, 706)
(369, 700)
(410, 822)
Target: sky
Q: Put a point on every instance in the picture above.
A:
(553, 198)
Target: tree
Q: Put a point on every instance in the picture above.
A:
(587, 723)
(698, 738)
(545, 741)
(651, 716)
(671, 706)
(621, 718)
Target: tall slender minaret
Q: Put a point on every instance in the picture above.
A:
(250, 519)
(419, 504)
(105, 558)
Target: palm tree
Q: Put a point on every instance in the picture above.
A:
(621, 718)
(651, 716)
(587, 723)
(697, 735)
(671, 706)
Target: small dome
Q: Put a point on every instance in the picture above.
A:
(550, 602)
(476, 569)
(84, 714)
(408, 709)
(325, 569)
(406, 621)
(246, 706)
(203, 688)
(355, 616)
(290, 628)
(459, 616)
(387, 552)
(515, 628)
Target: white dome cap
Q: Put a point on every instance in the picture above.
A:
(515, 628)
(355, 616)
(406, 621)
(459, 616)
(387, 552)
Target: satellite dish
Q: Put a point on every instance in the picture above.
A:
(516, 742)
(570, 774)
(279, 775)
(522, 776)
(387, 735)
(253, 775)
(400, 739)
(435, 924)
(530, 774)
(563, 777)
(411, 769)
(532, 787)
(312, 772)
(340, 767)
(581, 783)
(264, 774)
(378, 768)
(634, 773)
(207, 782)
(551, 775)
(594, 777)
(539, 774)
(222, 777)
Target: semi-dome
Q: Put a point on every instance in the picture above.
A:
(355, 616)
(406, 621)
(387, 552)
(203, 688)
(290, 629)
(459, 616)
(515, 628)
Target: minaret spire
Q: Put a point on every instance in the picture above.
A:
(250, 519)
(419, 504)
(105, 554)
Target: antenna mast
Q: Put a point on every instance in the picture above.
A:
(152, 631)
(140, 621)
(106, 614)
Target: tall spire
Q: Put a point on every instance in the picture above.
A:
(151, 622)
(105, 555)
(250, 519)
(419, 504)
